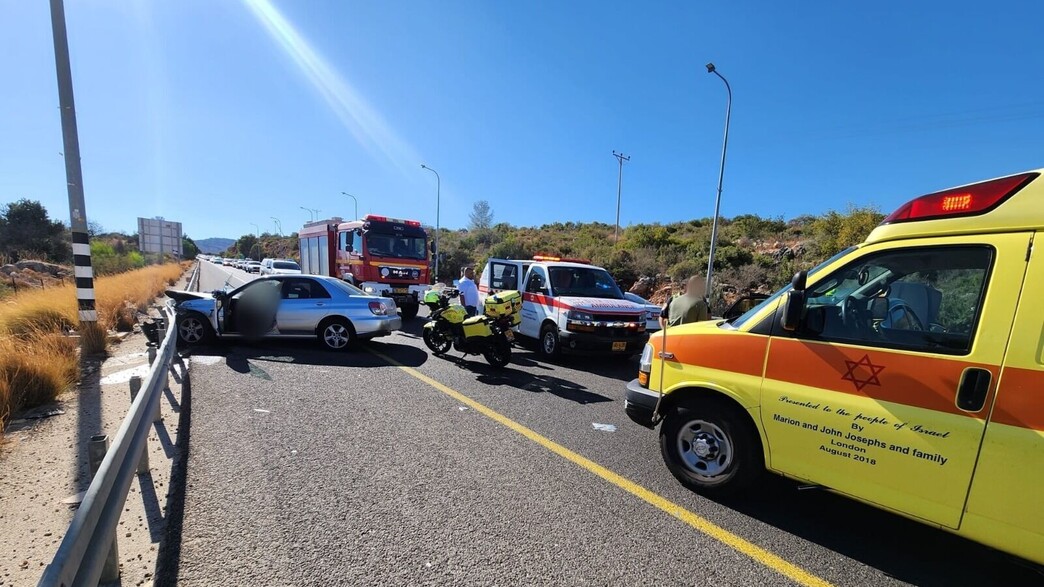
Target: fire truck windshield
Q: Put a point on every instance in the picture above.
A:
(398, 246)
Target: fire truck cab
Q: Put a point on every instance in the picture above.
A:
(382, 256)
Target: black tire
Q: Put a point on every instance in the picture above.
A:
(193, 329)
(500, 354)
(549, 344)
(409, 311)
(438, 342)
(336, 334)
(711, 446)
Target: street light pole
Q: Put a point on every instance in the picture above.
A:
(356, 217)
(257, 241)
(278, 225)
(619, 186)
(721, 175)
(438, 198)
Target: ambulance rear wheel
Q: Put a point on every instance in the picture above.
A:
(409, 311)
(550, 344)
(711, 446)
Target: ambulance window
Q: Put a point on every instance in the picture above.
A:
(923, 299)
(504, 276)
(537, 282)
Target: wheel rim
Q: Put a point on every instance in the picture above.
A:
(336, 336)
(704, 448)
(438, 343)
(191, 330)
(549, 342)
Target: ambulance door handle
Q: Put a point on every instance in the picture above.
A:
(973, 389)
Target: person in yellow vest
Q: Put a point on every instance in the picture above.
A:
(688, 307)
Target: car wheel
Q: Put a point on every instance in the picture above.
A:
(336, 334)
(193, 329)
(499, 354)
(409, 311)
(711, 447)
(549, 341)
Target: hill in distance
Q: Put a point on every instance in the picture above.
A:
(213, 246)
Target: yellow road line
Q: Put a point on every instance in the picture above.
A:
(774, 562)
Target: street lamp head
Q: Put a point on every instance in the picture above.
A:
(423, 166)
(710, 68)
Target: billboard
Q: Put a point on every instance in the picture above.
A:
(157, 235)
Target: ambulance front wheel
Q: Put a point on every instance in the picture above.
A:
(711, 446)
(550, 343)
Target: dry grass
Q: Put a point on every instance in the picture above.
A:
(37, 360)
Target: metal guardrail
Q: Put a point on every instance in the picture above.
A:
(91, 536)
(193, 284)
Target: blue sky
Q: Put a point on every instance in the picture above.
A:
(223, 113)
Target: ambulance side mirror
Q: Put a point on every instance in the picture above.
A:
(794, 303)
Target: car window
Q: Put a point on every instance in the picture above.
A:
(587, 282)
(303, 289)
(286, 265)
(921, 299)
(537, 282)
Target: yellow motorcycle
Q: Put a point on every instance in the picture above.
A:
(488, 335)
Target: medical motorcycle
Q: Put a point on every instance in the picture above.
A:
(488, 334)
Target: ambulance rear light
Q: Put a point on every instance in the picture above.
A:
(971, 200)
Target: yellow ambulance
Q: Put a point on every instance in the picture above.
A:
(906, 372)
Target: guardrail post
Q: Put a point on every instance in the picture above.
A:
(96, 449)
(152, 352)
(143, 464)
(157, 416)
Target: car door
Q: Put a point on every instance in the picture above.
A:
(536, 302)
(884, 391)
(304, 303)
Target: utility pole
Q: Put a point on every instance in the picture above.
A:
(81, 245)
(438, 199)
(619, 187)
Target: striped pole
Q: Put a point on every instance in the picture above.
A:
(73, 175)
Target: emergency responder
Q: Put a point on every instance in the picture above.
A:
(469, 294)
(688, 307)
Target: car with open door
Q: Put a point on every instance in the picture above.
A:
(335, 313)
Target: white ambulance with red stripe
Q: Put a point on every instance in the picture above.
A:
(569, 306)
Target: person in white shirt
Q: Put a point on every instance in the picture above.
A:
(469, 294)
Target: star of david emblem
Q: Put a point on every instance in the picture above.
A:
(862, 373)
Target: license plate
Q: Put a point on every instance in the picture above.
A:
(509, 334)
(619, 346)
(401, 290)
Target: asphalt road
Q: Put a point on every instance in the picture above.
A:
(311, 468)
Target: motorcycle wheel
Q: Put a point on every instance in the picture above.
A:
(436, 341)
(499, 354)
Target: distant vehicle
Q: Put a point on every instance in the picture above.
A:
(282, 267)
(266, 265)
(218, 261)
(253, 267)
(652, 321)
(380, 255)
(292, 306)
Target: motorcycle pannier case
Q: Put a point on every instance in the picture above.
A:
(476, 326)
(505, 303)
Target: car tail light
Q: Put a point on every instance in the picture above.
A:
(970, 200)
(378, 308)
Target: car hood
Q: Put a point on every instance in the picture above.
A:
(596, 305)
(180, 295)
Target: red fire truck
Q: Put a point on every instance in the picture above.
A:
(382, 256)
